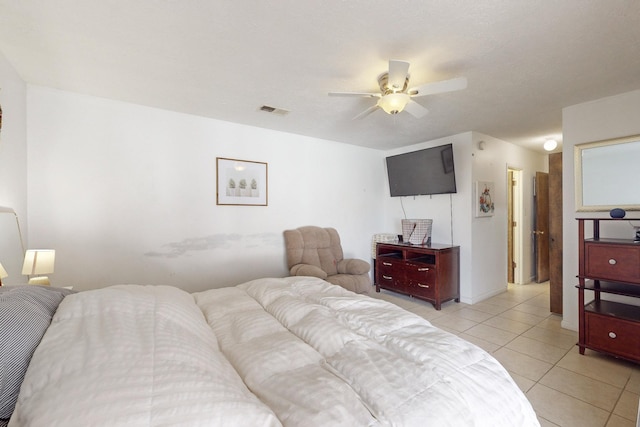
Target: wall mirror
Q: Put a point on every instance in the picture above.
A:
(607, 173)
(11, 247)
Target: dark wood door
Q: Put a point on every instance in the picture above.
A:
(555, 233)
(541, 228)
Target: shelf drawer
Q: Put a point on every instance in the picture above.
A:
(422, 288)
(612, 262)
(616, 336)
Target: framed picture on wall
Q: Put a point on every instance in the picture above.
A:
(484, 198)
(241, 182)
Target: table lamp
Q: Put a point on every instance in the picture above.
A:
(38, 262)
(3, 274)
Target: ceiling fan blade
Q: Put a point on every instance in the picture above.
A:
(439, 87)
(361, 94)
(415, 109)
(398, 71)
(366, 112)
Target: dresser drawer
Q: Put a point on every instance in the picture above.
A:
(612, 262)
(613, 335)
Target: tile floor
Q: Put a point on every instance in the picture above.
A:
(565, 388)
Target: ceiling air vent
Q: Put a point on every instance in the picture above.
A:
(274, 110)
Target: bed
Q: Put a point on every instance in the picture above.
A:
(294, 351)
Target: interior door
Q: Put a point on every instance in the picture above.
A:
(541, 226)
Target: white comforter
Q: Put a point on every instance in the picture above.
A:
(295, 352)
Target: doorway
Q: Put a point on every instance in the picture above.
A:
(541, 226)
(514, 226)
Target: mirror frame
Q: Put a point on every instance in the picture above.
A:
(578, 151)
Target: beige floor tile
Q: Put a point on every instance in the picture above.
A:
(489, 308)
(587, 389)
(546, 423)
(454, 322)
(555, 338)
(508, 324)
(503, 302)
(541, 300)
(541, 351)
(523, 317)
(618, 421)
(627, 406)
(523, 383)
(491, 334)
(487, 346)
(471, 314)
(554, 322)
(533, 309)
(521, 364)
(633, 385)
(565, 410)
(597, 366)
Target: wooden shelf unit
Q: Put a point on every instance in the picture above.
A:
(429, 272)
(608, 266)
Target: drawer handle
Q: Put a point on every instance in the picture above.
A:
(423, 269)
(612, 335)
(387, 277)
(612, 261)
(423, 286)
(387, 264)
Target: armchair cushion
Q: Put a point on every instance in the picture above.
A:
(353, 266)
(308, 270)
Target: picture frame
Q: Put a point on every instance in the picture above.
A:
(241, 182)
(484, 204)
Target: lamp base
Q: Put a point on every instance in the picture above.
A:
(39, 280)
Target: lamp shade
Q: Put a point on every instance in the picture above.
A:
(38, 261)
(3, 272)
(394, 103)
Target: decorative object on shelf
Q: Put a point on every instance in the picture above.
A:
(484, 198)
(38, 262)
(241, 182)
(3, 274)
(417, 231)
(617, 213)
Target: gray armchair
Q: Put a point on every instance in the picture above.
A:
(316, 251)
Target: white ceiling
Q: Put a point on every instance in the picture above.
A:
(524, 60)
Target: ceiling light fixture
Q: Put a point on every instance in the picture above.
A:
(550, 144)
(393, 103)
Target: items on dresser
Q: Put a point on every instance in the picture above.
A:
(431, 273)
(608, 266)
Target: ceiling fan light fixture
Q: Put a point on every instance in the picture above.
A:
(393, 103)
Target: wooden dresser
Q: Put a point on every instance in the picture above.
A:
(608, 266)
(430, 272)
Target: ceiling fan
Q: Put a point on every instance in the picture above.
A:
(395, 96)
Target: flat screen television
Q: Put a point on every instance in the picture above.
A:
(422, 172)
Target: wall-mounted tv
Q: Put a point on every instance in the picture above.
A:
(422, 172)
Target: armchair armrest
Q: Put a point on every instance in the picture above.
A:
(307, 270)
(353, 266)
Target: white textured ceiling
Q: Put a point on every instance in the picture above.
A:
(524, 60)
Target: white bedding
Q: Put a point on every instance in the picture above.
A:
(295, 351)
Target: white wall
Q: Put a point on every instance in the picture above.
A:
(482, 241)
(13, 140)
(126, 194)
(611, 117)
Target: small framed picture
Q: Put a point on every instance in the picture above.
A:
(484, 198)
(241, 182)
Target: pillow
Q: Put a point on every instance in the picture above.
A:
(25, 314)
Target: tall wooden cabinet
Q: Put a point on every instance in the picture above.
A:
(431, 273)
(608, 266)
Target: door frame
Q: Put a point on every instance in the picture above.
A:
(515, 206)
